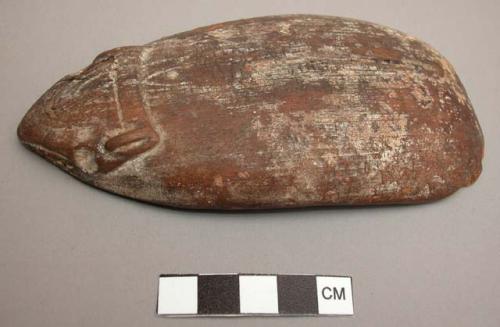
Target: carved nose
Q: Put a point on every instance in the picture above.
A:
(40, 131)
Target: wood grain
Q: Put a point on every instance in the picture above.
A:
(270, 112)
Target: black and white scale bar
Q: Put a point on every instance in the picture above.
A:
(254, 295)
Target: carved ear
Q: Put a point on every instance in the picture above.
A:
(126, 146)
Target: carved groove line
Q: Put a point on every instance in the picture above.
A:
(113, 74)
(141, 73)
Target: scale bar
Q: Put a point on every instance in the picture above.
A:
(254, 295)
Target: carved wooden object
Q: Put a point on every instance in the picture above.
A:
(271, 112)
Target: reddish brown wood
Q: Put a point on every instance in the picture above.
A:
(271, 112)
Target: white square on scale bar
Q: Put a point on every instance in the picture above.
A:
(178, 295)
(258, 294)
(334, 295)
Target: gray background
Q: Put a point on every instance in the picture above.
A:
(71, 255)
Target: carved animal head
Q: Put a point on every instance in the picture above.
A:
(93, 121)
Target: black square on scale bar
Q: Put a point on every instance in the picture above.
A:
(297, 294)
(218, 294)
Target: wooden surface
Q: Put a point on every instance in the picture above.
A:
(271, 112)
